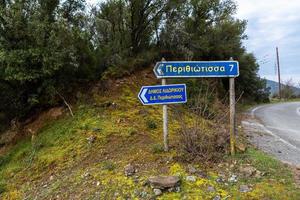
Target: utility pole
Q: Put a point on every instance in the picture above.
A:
(278, 67)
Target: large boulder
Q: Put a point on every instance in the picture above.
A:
(164, 182)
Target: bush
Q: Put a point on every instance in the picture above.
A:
(108, 165)
(151, 124)
(197, 145)
(157, 148)
(2, 188)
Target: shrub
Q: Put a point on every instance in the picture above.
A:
(151, 124)
(197, 145)
(2, 188)
(157, 148)
(108, 165)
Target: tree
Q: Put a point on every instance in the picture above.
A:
(42, 49)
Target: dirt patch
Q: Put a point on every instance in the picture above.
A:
(42, 119)
(296, 171)
(30, 127)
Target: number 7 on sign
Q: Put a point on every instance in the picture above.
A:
(231, 67)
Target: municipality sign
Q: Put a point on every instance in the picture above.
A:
(163, 94)
(189, 69)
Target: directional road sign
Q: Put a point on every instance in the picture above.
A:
(182, 69)
(163, 94)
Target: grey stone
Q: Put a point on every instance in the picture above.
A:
(191, 169)
(211, 189)
(177, 189)
(91, 139)
(164, 182)
(244, 188)
(220, 180)
(247, 171)
(217, 197)
(157, 192)
(233, 178)
(129, 170)
(190, 178)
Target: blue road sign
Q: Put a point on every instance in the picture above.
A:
(163, 94)
(178, 69)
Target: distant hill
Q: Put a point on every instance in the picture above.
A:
(274, 87)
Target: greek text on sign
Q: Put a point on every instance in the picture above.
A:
(163, 94)
(173, 69)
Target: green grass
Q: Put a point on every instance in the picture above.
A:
(277, 183)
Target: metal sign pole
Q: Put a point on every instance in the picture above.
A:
(232, 114)
(165, 121)
(165, 118)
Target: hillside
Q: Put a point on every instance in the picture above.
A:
(83, 157)
(273, 85)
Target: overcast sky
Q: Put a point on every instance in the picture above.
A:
(272, 23)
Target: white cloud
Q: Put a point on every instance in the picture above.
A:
(273, 23)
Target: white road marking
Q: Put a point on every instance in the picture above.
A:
(271, 133)
(282, 129)
(298, 111)
(254, 110)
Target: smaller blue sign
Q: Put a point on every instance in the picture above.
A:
(163, 94)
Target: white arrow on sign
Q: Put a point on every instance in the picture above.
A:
(160, 72)
(143, 95)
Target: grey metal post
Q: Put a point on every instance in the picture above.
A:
(165, 118)
(165, 121)
(232, 114)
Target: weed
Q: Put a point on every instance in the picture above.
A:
(3, 160)
(2, 188)
(157, 148)
(151, 124)
(108, 165)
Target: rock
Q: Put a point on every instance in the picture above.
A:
(233, 179)
(247, 171)
(201, 174)
(177, 189)
(164, 182)
(191, 169)
(211, 189)
(129, 170)
(157, 192)
(190, 178)
(51, 178)
(217, 197)
(241, 147)
(258, 174)
(220, 180)
(244, 188)
(91, 139)
(85, 175)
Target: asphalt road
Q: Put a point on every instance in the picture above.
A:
(280, 124)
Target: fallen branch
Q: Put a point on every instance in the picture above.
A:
(66, 103)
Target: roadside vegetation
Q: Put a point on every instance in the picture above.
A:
(84, 156)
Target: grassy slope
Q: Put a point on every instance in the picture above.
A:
(62, 164)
